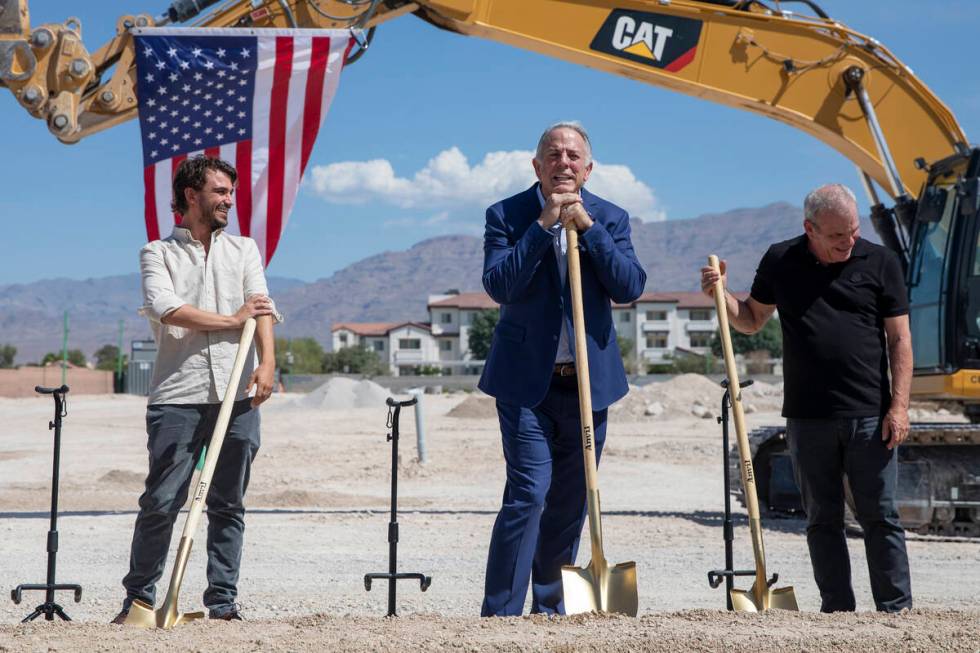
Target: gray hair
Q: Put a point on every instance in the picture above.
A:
(575, 126)
(831, 198)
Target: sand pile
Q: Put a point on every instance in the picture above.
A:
(476, 406)
(692, 394)
(340, 393)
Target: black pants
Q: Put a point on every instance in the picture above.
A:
(823, 451)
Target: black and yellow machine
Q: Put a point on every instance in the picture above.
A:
(803, 68)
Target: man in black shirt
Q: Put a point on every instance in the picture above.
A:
(843, 310)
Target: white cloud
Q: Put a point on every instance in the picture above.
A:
(448, 181)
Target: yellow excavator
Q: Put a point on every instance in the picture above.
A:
(802, 68)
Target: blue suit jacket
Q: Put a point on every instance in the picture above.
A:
(520, 272)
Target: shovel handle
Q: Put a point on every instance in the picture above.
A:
(744, 451)
(220, 428)
(584, 393)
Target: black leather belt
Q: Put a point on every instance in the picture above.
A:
(564, 369)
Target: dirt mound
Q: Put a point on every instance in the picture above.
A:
(478, 406)
(691, 630)
(340, 393)
(692, 394)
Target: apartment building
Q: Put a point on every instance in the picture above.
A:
(660, 325)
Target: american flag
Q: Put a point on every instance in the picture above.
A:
(253, 97)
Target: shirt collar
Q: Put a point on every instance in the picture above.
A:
(182, 234)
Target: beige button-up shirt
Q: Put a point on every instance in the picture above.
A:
(193, 367)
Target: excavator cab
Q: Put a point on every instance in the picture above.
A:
(944, 284)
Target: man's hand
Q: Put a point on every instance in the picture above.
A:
(895, 426)
(575, 215)
(555, 208)
(262, 379)
(709, 276)
(254, 306)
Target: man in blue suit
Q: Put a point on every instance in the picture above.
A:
(531, 367)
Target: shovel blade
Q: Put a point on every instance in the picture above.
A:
(783, 598)
(144, 616)
(599, 588)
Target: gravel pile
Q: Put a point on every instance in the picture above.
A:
(340, 393)
(692, 394)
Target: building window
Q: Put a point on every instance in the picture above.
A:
(656, 316)
(701, 339)
(445, 345)
(657, 340)
(343, 338)
(625, 316)
(700, 314)
(447, 318)
(409, 343)
(379, 345)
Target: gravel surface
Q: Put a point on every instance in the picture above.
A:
(318, 522)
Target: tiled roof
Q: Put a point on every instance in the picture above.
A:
(682, 299)
(466, 300)
(375, 328)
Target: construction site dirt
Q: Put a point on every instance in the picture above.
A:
(318, 521)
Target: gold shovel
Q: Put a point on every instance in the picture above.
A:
(597, 587)
(142, 614)
(760, 597)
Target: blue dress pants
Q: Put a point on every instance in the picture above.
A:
(176, 435)
(823, 452)
(540, 522)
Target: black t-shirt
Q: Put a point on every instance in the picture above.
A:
(834, 356)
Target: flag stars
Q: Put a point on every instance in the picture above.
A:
(221, 73)
(186, 136)
(184, 103)
(209, 65)
(172, 52)
(234, 65)
(151, 102)
(197, 141)
(221, 52)
(197, 124)
(164, 141)
(163, 125)
(243, 82)
(207, 96)
(231, 91)
(175, 147)
(241, 114)
(196, 52)
(208, 130)
(173, 114)
(241, 132)
(154, 154)
(147, 51)
(162, 90)
(207, 114)
(219, 86)
(245, 53)
(151, 119)
(219, 102)
(149, 77)
(198, 77)
(185, 119)
(196, 107)
(186, 88)
(184, 65)
(161, 65)
(152, 135)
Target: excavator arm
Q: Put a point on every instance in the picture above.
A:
(813, 73)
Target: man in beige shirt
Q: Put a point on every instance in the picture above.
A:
(200, 285)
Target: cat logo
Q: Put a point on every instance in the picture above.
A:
(647, 40)
(658, 40)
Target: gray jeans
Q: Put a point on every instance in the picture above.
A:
(176, 435)
(823, 451)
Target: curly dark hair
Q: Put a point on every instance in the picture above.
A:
(192, 173)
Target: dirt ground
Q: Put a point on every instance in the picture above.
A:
(318, 519)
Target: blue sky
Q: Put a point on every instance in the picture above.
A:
(412, 125)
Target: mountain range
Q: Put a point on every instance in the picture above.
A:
(389, 286)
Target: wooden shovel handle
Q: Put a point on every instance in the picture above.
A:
(584, 392)
(220, 428)
(744, 451)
